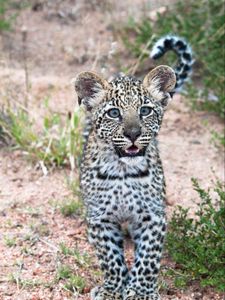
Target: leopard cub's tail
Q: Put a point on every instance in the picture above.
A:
(184, 52)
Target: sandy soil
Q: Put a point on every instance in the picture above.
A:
(63, 38)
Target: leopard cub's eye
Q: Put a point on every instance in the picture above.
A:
(145, 111)
(113, 113)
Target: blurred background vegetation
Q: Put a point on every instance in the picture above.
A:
(195, 244)
(202, 24)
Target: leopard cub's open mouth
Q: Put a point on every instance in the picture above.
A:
(132, 151)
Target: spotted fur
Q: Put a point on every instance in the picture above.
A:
(122, 178)
(185, 57)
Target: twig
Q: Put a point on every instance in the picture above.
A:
(49, 244)
(24, 40)
(133, 69)
(96, 57)
(43, 168)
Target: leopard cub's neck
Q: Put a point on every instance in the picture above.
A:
(103, 158)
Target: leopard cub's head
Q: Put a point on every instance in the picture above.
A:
(126, 113)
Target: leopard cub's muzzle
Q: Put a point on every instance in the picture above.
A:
(131, 147)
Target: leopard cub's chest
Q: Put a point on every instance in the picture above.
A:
(120, 196)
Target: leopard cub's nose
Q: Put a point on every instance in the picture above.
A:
(132, 133)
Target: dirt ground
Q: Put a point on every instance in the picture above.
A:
(63, 38)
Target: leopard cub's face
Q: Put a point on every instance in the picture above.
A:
(128, 118)
(126, 113)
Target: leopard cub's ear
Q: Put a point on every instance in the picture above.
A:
(90, 88)
(160, 82)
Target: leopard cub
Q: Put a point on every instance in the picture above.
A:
(121, 172)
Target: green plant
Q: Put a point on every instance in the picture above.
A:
(58, 143)
(219, 139)
(5, 22)
(10, 242)
(140, 34)
(197, 244)
(75, 283)
(8, 12)
(63, 272)
(183, 18)
(74, 186)
(30, 283)
(82, 260)
(71, 207)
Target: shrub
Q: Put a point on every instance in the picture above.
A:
(58, 143)
(74, 283)
(202, 24)
(71, 207)
(197, 244)
(6, 15)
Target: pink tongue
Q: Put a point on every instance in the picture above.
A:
(132, 150)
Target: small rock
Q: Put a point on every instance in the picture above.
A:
(61, 14)
(170, 202)
(195, 142)
(37, 6)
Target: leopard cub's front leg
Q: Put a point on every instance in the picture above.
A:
(100, 293)
(132, 295)
(148, 234)
(107, 239)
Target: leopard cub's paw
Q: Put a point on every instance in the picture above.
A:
(99, 293)
(131, 294)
